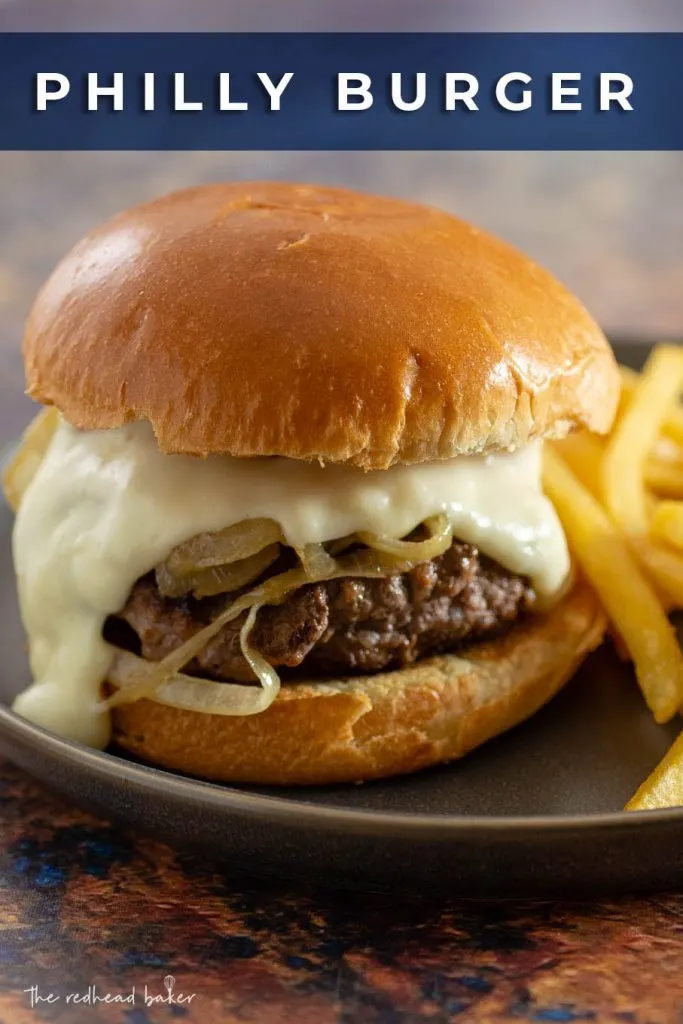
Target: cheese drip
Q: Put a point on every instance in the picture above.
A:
(105, 507)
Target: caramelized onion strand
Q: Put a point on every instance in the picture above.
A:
(439, 540)
(219, 579)
(190, 693)
(206, 550)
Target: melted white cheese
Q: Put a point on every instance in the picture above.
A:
(105, 507)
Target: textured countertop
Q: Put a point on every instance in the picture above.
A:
(82, 904)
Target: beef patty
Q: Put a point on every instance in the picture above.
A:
(343, 626)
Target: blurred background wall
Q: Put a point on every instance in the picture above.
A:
(609, 224)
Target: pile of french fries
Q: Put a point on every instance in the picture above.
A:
(621, 503)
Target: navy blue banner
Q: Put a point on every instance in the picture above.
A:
(341, 91)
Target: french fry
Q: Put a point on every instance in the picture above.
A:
(625, 460)
(628, 597)
(583, 453)
(672, 424)
(667, 451)
(667, 523)
(630, 380)
(635, 436)
(663, 577)
(621, 650)
(665, 570)
(664, 477)
(664, 787)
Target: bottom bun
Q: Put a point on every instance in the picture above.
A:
(373, 726)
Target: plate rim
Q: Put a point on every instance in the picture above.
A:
(291, 811)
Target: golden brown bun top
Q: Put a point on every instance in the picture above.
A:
(267, 318)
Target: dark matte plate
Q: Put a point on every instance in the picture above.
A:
(534, 812)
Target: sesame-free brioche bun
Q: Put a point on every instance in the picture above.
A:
(376, 726)
(268, 318)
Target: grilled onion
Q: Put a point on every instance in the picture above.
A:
(155, 680)
(270, 680)
(204, 695)
(440, 538)
(221, 579)
(207, 550)
(316, 561)
(337, 547)
(190, 694)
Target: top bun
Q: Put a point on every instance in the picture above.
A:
(266, 318)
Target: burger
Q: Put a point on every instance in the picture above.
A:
(282, 519)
